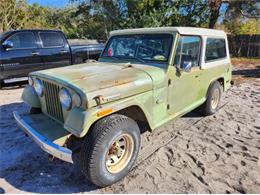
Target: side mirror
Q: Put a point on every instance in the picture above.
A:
(187, 66)
(8, 44)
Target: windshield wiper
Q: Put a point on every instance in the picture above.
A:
(114, 57)
(139, 59)
(125, 58)
(135, 58)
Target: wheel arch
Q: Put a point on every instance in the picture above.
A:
(134, 112)
(220, 79)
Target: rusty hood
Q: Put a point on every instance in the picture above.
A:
(111, 81)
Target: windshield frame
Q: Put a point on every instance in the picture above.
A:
(141, 60)
(4, 35)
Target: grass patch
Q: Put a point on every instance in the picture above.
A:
(246, 60)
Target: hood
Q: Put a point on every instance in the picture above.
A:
(111, 81)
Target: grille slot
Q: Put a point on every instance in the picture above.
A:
(53, 105)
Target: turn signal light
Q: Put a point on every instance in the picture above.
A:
(104, 112)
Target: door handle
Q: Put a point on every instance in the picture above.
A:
(35, 53)
(63, 51)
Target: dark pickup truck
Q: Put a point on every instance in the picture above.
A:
(24, 51)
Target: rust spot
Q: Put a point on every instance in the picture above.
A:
(111, 83)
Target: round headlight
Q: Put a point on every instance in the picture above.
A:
(76, 100)
(38, 86)
(65, 98)
(30, 80)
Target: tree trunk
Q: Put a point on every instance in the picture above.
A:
(240, 48)
(248, 47)
(214, 9)
(213, 19)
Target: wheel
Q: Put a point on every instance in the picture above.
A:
(35, 110)
(110, 149)
(213, 98)
(1, 84)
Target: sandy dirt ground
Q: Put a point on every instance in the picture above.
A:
(194, 154)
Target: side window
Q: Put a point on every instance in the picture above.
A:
(188, 51)
(23, 40)
(51, 39)
(215, 49)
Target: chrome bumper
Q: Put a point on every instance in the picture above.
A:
(46, 145)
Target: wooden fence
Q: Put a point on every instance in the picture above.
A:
(244, 46)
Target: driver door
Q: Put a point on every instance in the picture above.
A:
(22, 57)
(184, 83)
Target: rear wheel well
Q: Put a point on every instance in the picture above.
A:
(1, 84)
(221, 81)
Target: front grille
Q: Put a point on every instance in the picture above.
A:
(53, 105)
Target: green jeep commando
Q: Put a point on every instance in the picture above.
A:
(143, 78)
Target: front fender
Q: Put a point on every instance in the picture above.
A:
(79, 121)
(29, 96)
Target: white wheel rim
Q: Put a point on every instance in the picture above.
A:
(215, 99)
(119, 153)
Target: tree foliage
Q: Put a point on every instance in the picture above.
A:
(240, 17)
(155, 13)
(13, 14)
(96, 18)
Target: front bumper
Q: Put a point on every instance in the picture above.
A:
(46, 144)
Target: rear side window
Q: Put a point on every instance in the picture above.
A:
(215, 49)
(23, 40)
(51, 39)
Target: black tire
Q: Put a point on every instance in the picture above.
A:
(96, 144)
(208, 108)
(35, 110)
(1, 84)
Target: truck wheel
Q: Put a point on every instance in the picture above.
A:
(110, 149)
(213, 98)
(1, 84)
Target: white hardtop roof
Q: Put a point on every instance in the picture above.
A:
(181, 30)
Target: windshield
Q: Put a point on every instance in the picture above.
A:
(142, 48)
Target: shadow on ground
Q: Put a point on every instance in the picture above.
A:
(253, 73)
(27, 168)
